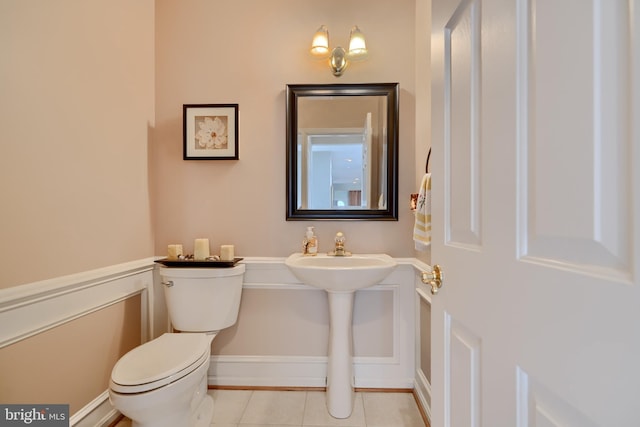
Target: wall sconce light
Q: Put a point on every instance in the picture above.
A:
(338, 57)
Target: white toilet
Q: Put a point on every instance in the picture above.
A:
(163, 383)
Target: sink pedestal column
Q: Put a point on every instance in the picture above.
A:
(340, 276)
(340, 380)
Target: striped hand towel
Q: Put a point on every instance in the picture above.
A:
(422, 227)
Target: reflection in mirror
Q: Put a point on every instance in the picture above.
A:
(342, 151)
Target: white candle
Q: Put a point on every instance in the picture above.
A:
(201, 249)
(174, 251)
(226, 252)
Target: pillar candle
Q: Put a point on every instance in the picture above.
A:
(201, 249)
(174, 251)
(226, 252)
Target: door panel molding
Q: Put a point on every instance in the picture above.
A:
(537, 406)
(462, 375)
(462, 126)
(584, 226)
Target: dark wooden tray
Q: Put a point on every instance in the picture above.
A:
(190, 263)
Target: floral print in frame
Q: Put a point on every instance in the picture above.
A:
(210, 131)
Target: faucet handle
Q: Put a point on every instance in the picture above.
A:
(339, 248)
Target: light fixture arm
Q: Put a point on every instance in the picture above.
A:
(338, 61)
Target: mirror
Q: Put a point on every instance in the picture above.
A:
(342, 151)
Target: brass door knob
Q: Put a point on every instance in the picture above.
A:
(433, 278)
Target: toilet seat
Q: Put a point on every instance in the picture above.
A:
(160, 362)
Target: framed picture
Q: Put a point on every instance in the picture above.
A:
(210, 131)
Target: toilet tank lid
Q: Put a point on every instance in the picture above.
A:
(160, 358)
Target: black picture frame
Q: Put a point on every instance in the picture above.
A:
(210, 131)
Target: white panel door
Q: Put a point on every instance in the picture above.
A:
(536, 210)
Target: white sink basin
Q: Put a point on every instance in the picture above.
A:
(333, 273)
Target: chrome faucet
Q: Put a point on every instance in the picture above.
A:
(339, 248)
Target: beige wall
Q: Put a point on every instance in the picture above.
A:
(245, 52)
(77, 101)
(76, 106)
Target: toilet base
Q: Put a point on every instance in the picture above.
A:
(203, 415)
(200, 418)
(184, 403)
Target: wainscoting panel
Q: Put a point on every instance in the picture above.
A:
(422, 384)
(277, 308)
(34, 308)
(39, 310)
(384, 325)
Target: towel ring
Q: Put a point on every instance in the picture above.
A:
(428, 158)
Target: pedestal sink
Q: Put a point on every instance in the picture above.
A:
(340, 277)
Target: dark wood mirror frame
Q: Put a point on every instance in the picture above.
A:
(391, 93)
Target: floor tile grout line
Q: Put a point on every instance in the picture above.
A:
(365, 422)
(246, 405)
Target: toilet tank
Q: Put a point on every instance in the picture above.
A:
(202, 299)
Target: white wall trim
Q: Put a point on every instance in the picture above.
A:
(98, 412)
(419, 266)
(30, 291)
(422, 387)
(423, 391)
(273, 371)
(31, 309)
(301, 371)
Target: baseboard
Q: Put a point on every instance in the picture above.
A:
(426, 417)
(98, 412)
(302, 371)
(268, 371)
(422, 392)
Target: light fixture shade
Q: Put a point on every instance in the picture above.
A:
(357, 44)
(320, 43)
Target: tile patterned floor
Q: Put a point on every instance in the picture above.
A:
(258, 408)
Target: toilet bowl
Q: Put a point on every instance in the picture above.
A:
(163, 383)
(158, 383)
